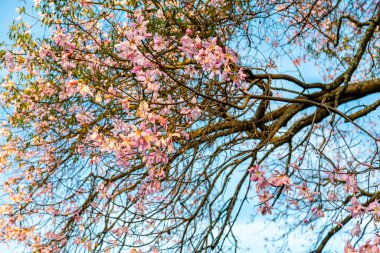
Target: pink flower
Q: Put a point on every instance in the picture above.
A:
(265, 197)
(351, 183)
(159, 43)
(338, 223)
(369, 248)
(356, 209)
(331, 196)
(77, 218)
(356, 230)
(317, 211)
(374, 208)
(257, 176)
(9, 63)
(264, 209)
(297, 62)
(253, 169)
(304, 190)
(280, 179)
(349, 249)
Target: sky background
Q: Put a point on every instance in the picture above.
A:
(251, 234)
(7, 14)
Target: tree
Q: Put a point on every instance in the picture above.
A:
(149, 125)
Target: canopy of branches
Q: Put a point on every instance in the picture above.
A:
(150, 126)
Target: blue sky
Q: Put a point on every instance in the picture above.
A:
(7, 14)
